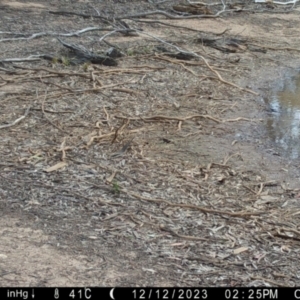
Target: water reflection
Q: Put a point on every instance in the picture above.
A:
(283, 124)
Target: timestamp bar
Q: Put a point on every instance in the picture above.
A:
(119, 293)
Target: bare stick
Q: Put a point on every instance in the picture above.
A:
(278, 2)
(55, 72)
(51, 33)
(161, 12)
(144, 14)
(176, 26)
(157, 117)
(30, 58)
(211, 4)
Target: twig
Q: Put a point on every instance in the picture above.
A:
(227, 158)
(59, 86)
(103, 87)
(125, 124)
(157, 117)
(239, 214)
(18, 120)
(187, 237)
(129, 91)
(225, 81)
(99, 137)
(44, 113)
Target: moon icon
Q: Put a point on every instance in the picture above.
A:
(111, 294)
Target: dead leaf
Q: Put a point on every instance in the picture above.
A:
(56, 167)
(111, 177)
(240, 250)
(285, 249)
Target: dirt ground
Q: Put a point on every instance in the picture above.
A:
(158, 171)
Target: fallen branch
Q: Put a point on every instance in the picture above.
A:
(30, 58)
(157, 117)
(144, 14)
(181, 119)
(84, 55)
(66, 13)
(59, 73)
(277, 2)
(195, 55)
(164, 13)
(56, 34)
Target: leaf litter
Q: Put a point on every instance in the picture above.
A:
(134, 165)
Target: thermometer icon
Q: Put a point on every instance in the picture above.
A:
(56, 295)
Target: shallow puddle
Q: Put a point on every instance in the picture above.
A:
(283, 122)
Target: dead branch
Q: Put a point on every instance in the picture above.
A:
(170, 16)
(84, 54)
(161, 117)
(277, 2)
(66, 13)
(56, 34)
(54, 112)
(140, 15)
(180, 119)
(166, 24)
(202, 3)
(134, 70)
(59, 73)
(29, 58)
(195, 55)
(177, 26)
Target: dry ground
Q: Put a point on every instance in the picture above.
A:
(162, 174)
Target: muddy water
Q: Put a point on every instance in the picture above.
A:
(283, 122)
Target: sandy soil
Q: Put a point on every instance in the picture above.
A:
(169, 175)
